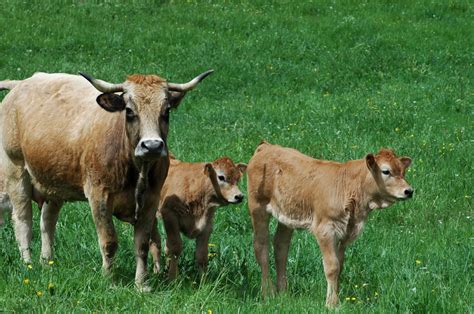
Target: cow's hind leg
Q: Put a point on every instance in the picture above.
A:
(260, 221)
(281, 244)
(19, 189)
(155, 247)
(49, 218)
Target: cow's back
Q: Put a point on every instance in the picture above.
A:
(52, 123)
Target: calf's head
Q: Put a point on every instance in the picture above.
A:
(145, 102)
(388, 171)
(225, 176)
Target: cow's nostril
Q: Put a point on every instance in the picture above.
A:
(239, 197)
(409, 192)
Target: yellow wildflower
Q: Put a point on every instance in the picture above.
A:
(353, 298)
(29, 266)
(397, 129)
(51, 262)
(26, 281)
(39, 293)
(418, 262)
(209, 311)
(50, 286)
(348, 298)
(211, 245)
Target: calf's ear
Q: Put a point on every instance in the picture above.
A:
(242, 167)
(406, 161)
(111, 102)
(209, 170)
(175, 98)
(371, 163)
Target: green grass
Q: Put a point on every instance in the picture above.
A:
(334, 79)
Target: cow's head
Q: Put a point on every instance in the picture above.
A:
(388, 171)
(225, 176)
(145, 101)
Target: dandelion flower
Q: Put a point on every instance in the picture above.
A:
(209, 311)
(39, 293)
(50, 286)
(211, 245)
(418, 262)
(348, 298)
(353, 298)
(26, 281)
(51, 262)
(29, 266)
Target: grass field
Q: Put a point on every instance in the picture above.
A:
(333, 79)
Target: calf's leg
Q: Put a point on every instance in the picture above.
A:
(155, 247)
(174, 244)
(281, 244)
(260, 220)
(202, 250)
(49, 218)
(328, 245)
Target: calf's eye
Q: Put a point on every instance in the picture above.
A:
(386, 172)
(221, 178)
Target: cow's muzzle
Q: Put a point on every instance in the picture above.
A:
(150, 148)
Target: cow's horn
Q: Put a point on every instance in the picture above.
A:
(189, 85)
(103, 86)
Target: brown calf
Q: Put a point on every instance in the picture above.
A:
(330, 199)
(189, 198)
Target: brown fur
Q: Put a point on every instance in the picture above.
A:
(59, 141)
(330, 199)
(189, 198)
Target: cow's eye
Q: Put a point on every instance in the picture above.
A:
(221, 178)
(129, 113)
(386, 172)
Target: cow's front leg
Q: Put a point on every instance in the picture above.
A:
(49, 218)
(105, 231)
(328, 245)
(142, 235)
(155, 247)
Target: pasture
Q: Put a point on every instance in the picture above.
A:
(333, 79)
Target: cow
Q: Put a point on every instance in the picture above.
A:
(189, 198)
(74, 138)
(330, 199)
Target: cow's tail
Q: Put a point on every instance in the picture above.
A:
(8, 84)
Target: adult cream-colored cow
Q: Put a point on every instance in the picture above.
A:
(330, 199)
(55, 138)
(189, 198)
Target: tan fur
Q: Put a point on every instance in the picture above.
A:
(189, 198)
(330, 199)
(57, 139)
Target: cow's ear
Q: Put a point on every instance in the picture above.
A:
(242, 167)
(371, 163)
(406, 161)
(111, 102)
(175, 98)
